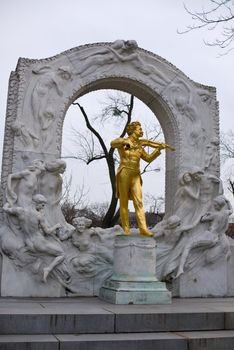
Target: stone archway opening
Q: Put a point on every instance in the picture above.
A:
(162, 113)
(76, 135)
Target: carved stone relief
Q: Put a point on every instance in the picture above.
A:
(197, 229)
(40, 92)
(37, 239)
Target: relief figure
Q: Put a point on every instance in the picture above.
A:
(35, 230)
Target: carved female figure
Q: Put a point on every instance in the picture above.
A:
(212, 156)
(95, 247)
(187, 199)
(24, 134)
(50, 185)
(81, 237)
(44, 94)
(218, 223)
(46, 86)
(119, 51)
(22, 185)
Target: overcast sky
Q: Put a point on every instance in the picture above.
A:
(43, 28)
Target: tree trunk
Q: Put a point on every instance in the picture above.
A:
(108, 218)
(110, 214)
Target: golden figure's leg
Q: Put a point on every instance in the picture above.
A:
(136, 192)
(123, 186)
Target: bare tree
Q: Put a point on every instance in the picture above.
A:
(156, 132)
(231, 185)
(95, 211)
(118, 108)
(218, 15)
(72, 202)
(227, 145)
(154, 203)
(92, 146)
(227, 153)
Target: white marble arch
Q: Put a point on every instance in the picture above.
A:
(41, 91)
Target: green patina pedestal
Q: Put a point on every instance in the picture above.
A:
(134, 278)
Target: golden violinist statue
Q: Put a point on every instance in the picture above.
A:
(128, 178)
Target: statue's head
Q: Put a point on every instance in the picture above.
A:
(39, 200)
(185, 178)
(81, 223)
(215, 141)
(65, 72)
(173, 221)
(132, 44)
(196, 173)
(16, 127)
(134, 127)
(48, 114)
(219, 202)
(37, 165)
(56, 166)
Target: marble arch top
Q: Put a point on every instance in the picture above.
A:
(40, 92)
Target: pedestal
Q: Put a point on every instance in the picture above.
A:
(134, 273)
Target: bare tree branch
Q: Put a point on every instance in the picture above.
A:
(116, 106)
(72, 202)
(231, 186)
(227, 154)
(227, 145)
(92, 129)
(155, 203)
(128, 120)
(219, 14)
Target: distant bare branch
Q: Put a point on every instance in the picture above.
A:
(227, 145)
(219, 14)
(72, 202)
(155, 203)
(116, 106)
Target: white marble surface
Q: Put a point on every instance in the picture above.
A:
(40, 91)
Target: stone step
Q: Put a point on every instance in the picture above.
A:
(204, 340)
(91, 315)
(114, 323)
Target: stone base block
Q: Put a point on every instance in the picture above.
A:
(19, 283)
(230, 271)
(119, 292)
(208, 281)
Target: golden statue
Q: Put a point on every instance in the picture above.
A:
(128, 178)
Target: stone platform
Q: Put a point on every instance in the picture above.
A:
(89, 323)
(134, 278)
